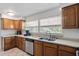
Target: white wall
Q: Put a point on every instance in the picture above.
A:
(7, 32)
(44, 14)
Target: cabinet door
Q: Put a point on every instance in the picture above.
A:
(13, 42)
(65, 53)
(7, 43)
(38, 49)
(16, 24)
(7, 23)
(21, 24)
(69, 17)
(20, 43)
(50, 49)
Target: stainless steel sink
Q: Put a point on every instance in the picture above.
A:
(47, 39)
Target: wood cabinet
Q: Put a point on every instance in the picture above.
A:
(66, 51)
(7, 23)
(21, 24)
(50, 49)
(70, 16)
(12, 24)
(9, 42)
(38, 48)
(18, 24)
(20, 43)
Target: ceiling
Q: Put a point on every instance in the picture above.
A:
(26, 9)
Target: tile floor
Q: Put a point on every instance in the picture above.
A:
(13, 52)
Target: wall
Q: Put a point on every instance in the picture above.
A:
(45, 14)
(7, 32)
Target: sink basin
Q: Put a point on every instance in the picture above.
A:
(47, 39)
(43, 38)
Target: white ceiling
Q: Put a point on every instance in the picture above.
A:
(25, 9)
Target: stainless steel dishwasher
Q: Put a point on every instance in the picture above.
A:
(29, 46)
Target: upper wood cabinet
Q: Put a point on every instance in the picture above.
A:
(16, 24)
(7, 23)
(70, 16)
(12, 24)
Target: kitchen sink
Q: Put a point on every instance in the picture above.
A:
(47, 39)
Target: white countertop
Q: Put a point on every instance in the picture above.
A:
(57, 41)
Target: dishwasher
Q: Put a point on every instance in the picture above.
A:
(29, 46)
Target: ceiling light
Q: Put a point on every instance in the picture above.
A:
(10, 13)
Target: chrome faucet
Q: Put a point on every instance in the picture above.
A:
(51, 37)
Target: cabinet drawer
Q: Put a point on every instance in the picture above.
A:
(69, 49)
(50, 45)
(38, 42)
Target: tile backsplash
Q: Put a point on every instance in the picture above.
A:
(7, 32)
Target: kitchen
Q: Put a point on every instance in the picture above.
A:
(50, 30)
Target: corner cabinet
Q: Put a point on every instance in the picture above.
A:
(9, 42)
(70, 16)
(20, 43)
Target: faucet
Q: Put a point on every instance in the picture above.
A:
(51, 37)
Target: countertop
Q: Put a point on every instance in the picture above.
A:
(70, 43)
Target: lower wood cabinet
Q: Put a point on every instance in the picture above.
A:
(38, 48)
(9, 42)
(50, 49)
(20, 43)
(66, 51)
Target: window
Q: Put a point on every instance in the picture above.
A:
(32, 26)
(52, 29)
(52, 24)
(32, 23)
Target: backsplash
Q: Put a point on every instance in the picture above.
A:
(7, 32)
(71, 33)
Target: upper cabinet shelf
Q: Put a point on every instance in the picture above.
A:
(12, 24)
(70, 16)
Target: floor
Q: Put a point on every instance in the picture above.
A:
(13, 52)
